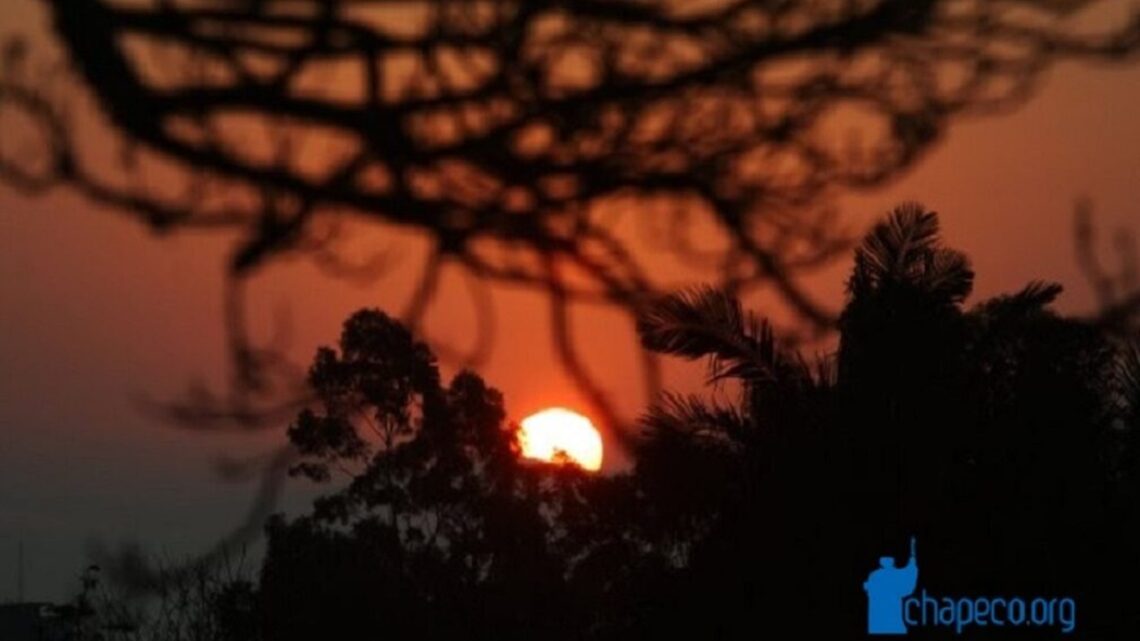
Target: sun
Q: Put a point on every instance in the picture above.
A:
(558, 434)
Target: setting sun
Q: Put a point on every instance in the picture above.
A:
(556, 432)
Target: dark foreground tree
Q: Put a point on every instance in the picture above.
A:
(1004, 437)
(443, 531)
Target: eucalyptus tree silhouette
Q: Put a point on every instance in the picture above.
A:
(442, 530)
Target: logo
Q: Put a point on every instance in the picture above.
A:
(893, 610)
(886, 588)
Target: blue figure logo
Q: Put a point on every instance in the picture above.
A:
(886, 588)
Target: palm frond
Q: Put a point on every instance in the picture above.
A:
(705, 322)
(947, 275)
(1126, 377)
(1033, 298)
(905, 249)
(892, 245)
(695, 418)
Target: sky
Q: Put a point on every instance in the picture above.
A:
(97, 314)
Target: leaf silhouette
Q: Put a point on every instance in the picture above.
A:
(1127, 383)
(904, 250)
(1033, 298)
(705, 322)
(696, 417)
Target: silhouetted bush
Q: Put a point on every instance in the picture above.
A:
(193, 602)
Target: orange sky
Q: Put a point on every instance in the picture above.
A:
(96, 312)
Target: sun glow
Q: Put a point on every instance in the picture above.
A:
(558, 434)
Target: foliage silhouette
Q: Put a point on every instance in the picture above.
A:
(1003, 436)
(215, 602)
(507, 130)
(441, 520)
(996, 435)
(513, 135)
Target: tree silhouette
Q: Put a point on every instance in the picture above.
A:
(1003, 435)
(441, 520)
(517, 135)
(998, 435)
(526, 139)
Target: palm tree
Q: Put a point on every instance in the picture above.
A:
(735, 485)
(986, 432)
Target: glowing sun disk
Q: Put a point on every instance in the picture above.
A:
(554, 433)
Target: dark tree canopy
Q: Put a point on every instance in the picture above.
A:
(1003, 436)
(441, 520)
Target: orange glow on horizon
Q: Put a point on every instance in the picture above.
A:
(558, 434)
